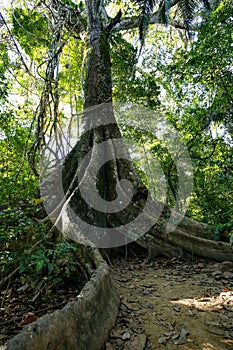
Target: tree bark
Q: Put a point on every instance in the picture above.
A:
(184, 243)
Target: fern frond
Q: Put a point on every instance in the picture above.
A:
(146, 8)
(187, 11)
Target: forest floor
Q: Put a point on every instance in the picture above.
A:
(173, 304)
(19, 308)
(166, 304)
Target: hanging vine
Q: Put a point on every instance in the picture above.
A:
(47, 116)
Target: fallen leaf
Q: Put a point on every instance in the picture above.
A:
(28, 318)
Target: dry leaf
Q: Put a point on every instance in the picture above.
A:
(28, 318)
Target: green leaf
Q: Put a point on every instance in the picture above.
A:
(39, 266)
(50, 267)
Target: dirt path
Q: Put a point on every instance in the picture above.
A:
(173, 304)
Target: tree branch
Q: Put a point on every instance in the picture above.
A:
(155, 18)
(133, 22)
(72, 17)
(114, 22)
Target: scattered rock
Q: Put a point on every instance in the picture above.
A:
(136, 343)
(124, 308)
(176, 308)
(228, 335)
(147, 305)
(200, 265)
(227, 266)
(182, 339)
(227, 275)
(135, 328)
(184, 331)
(168, 335)
(140, 312)
(162, 340)
(125, 336)
(133, 300)
(148, 291)
(216, 273)
(115, 333)
(228, 325)
(209, 281)
(175, 336)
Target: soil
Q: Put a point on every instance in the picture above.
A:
(19, 307)
(173, 304)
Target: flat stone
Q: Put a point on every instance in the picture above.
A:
(181, 340)
(140, 312)
(147, 305)
(184, 331)
(162, 340)
(200, 265)
(227, 275)
(216, 273)
(137, 342)
(125, 336)
(176, 308)
(227, 266)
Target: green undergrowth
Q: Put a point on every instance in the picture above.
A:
(29, 261)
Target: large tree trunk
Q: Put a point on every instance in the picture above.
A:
(117, 207)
